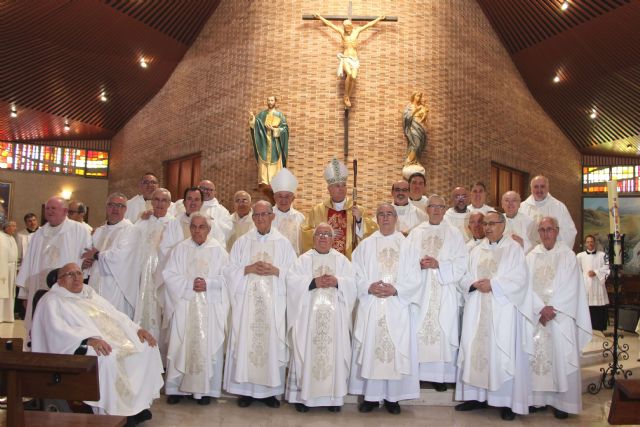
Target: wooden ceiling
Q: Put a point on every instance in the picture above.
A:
(594, 48)
(58, 56)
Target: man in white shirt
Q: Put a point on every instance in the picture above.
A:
(241, 218)
(77, 211)
(479, 198)
(476, 229)
(142, 201)
(409, 215)
(594, 272)
(540, 204)
(458, 214)
(287, 219)
(417, 184)
(519, 225)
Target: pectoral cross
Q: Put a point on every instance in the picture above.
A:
(349, 63)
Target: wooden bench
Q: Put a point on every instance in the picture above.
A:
(55, 376)
(625, 403)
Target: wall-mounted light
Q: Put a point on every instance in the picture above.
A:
(67, 128)
(143, 62)
(13, 112)
(66, 193)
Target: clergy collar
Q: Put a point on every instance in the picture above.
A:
(405, 205)
(339, 206)
(284, 212)
(435, 225)
(416, 200)
(591, 253)
(496, 242)
(466, 210)
(32, 231)
(265, 235)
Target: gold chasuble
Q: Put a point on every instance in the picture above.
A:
(339, 220)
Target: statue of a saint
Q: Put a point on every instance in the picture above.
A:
(270, 137)
(414, 118)
(349, 63)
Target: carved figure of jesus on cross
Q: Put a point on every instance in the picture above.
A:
(348, 60)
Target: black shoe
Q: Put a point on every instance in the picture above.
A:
(244, 401)
(507, 414)
(333, 408)
(131, 422)
(534, 409)
(561, 415)
(142, 416)
(392, 407)
(470, 405)
(271, 402)
(301, 407)
(204, 400)
(173, 399)
(367, 406)
(439, 386)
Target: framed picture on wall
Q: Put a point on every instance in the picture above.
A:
(595, 219)
(5, 197)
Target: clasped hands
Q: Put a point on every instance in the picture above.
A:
(428, 262)
(326, 281)
(381, 289)
(199, 284)
(262, 268)
(103, 348)
(87, 257)
(547, 314)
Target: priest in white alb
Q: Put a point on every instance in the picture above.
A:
(476, 229)
(479, 198)
(595, 270)
(519, 225)
(141, 203)
(438, 249)
(409, 215)
(222, 224)
(321, 293)
(58, 242)
(113, 259)
(241, 218)
(73, 319)
(197, 307)
(563, 326)
(497, 326)
(257, 346)
(150, 303)
(287, 219)
(384, 365)
(8, 269)
(458, 214)
(540, 204)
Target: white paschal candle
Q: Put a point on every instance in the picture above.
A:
(614, 220)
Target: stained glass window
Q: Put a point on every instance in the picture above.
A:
(43, 158)
(594, 179)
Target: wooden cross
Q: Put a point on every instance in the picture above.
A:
(350, 17)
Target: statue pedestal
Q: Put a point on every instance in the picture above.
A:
(409, 170)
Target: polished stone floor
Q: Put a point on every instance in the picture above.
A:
(225, 412)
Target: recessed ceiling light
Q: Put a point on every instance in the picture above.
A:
(103, 96)
(593, 114)
(14, 112)
(67, 128)
(143, 63)
(565, 6)
(556, 79)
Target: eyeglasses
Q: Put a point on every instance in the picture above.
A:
(491, 223)
(436, 206)
(324, 234)
(460, 197)
(116, 205)
(205, 189)
(547, 230)
(71, 274)
(262, 214)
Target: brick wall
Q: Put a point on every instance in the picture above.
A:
(480, 109)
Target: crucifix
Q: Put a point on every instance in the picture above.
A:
(349, 63)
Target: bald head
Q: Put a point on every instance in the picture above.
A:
(510, 203)
(208, 189)
(242, 203)
(459, 198)
(55, 210)
(539, 187)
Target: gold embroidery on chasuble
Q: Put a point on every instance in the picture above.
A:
(543, 274)
(323, 312)
(338, 221)
(486, 269)
(148, 317)
(289, 228)
(197, 320)
(112, 333)
(260, 306)
(430, 332)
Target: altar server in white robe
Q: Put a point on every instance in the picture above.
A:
(58, 242)
(141, 203)
(564, 326)
(476, 229)
(287, 219)
(178, 228)
(321, 293)
(497, 326)
(152, 260)
(222, 225)
(519, 226)
(594, 270)
(479, 198)
(8, 269)
(257, 352)
(197, 308)
(458, 214)
(114, 258)
(540, 204)
(241, 218)
(409, 215)
(439, 250)
(417, 184)
(384, 364)
(73, 319)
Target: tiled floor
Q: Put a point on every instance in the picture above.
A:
(225, 412)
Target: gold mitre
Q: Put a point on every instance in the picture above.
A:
(335, 172)
(284, 180)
